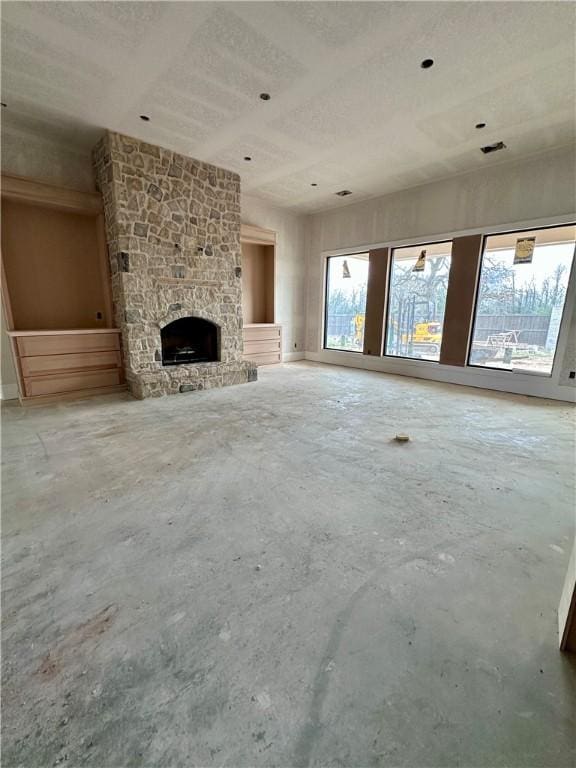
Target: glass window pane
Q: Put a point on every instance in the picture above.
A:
(346, 284)
(417, 300)
(519, 306)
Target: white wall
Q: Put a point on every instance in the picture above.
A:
(290, 269)
(538, 190)
(25, 153)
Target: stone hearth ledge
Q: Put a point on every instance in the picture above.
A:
(190, 378)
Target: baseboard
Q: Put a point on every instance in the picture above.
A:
(8, 391)
(291, 357)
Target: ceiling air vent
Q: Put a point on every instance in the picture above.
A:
(343, 192)
(493, 147)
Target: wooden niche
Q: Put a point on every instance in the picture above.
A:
(262, 336)
(56, 290)
(257, 283)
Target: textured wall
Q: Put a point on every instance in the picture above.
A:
(525, 191)
(173, 232)
(25, 153)
(290, 282)
(515, 191)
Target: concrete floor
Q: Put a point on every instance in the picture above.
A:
(404, 611)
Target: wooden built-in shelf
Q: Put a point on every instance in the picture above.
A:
(56, 291)
(262, 335)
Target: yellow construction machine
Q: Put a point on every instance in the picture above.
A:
(423, 341)
(426, 333)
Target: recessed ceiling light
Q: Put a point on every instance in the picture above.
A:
(427, 63)
(265, 96)
(145, 118)
(248, 159)
(313, 184)
(343, 193)
(493, 147)
(480, 125)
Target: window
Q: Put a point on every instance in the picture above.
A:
(417, 300)
(346, 283)
(519, 305)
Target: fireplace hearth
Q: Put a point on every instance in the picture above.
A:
(190, 340)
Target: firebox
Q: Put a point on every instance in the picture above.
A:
(190, 340)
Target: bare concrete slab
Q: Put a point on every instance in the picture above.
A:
(261, 576)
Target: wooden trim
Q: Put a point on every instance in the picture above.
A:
(74, 362)
(183, 282)
(460, 299)
(261, 325)
(9, 317)
(251, 234)
(40, 193)
(104, 269)
(17, 365)
(567, 607)
(73, 331)
(379, 261)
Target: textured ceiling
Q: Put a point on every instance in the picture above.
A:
(350, 108)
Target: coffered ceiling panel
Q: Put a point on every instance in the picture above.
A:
(350, 105)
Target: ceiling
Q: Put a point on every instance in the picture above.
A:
(350, 108)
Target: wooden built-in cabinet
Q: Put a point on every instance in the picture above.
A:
(55, 363)
(56, 291)
(263, 343)
(262, 336)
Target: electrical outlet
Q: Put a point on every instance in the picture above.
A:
(98, 315)
(572, 375)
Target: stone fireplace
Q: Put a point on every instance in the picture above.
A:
(173, 234)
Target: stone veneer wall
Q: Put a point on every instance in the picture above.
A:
(173, 233)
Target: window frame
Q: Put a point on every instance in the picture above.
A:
(388, 302)
(517, 371)
(325, 314)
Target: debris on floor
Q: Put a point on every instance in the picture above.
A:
(401, 438)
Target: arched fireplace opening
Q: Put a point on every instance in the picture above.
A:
(190, 340)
